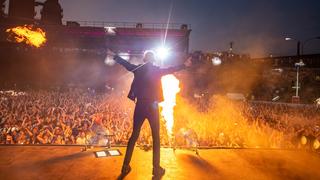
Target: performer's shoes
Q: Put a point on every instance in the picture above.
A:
(124, 171)
(158, 172)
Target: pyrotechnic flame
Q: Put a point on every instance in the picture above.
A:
(170, 86)
(28, 34)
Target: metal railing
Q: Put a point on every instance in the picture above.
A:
(129, 24)
(114, 24)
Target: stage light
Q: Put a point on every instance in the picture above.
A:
(216, 61)
(162, 53)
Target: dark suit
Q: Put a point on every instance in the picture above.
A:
(146, 90)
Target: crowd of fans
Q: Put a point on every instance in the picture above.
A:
(252, 124)
(78, 116)
(69, 117)
(299, 124)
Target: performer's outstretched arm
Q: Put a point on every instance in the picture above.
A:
(124, 63)
(170, 70)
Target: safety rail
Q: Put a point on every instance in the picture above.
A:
(129, 24)
(107, 24)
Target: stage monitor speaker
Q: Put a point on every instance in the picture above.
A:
(106, 153)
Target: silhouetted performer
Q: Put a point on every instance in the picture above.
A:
(146, 91)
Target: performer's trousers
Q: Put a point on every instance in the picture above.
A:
(145, 110)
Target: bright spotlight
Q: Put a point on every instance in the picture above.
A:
(162, 53)
(216, 61)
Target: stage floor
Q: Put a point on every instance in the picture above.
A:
(68, 162)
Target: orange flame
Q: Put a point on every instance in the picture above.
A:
(32, 36)
(170, 86)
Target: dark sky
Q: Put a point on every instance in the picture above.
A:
(257, 27)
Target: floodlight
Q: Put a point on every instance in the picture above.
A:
(162, 53)
(216, 61)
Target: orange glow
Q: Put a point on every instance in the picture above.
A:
(32, 36)
(170, 86)
(225, 124)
